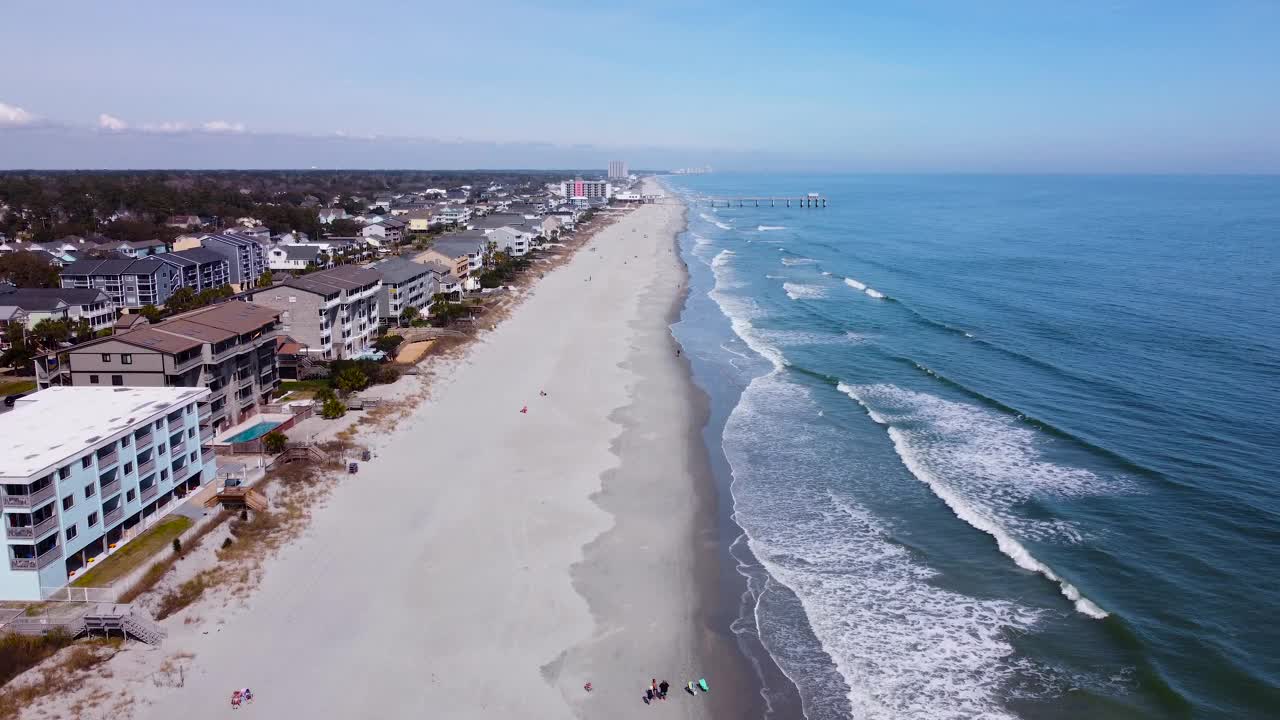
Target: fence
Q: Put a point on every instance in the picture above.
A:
(80, 594)
(254, 447)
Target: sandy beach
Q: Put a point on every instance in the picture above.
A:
(489, 562)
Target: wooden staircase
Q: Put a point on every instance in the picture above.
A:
(113, 618)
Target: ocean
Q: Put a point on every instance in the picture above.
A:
(996, 446)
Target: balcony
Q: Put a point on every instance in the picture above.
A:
(244, 382)
(142, 437)
(207, 455)
(108, 459)
(204, 413)
(111, 517)
(111, 488)
(206, 435)
(146, 467)
(176, 449)
(32, 500)
(149, 493)
(36, 563)
(32, 532)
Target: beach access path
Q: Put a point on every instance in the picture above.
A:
(448, 578)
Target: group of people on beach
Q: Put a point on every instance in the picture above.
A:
(241, 696)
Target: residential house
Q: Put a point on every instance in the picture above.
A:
(452, 215)
(464, 256)
(497, 220)
(405, 284)
(512, 240)
(294, 257)
(199, 269)
(186, 222)
(10, 316)
(391, 231)
(333, 313)
(92, 305)
(228, 348)
(246, 260)
(84, 470)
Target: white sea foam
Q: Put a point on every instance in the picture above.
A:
(798, 261)
(699, 240)
(798, 291)
(855, 284)
(903, 647)
(767, 228)
(706, 217)
(740, 310)
(872, 292)
(984, 466)
(723, 226)
(826, 272)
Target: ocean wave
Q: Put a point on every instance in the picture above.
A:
(706, 217)
(767, 228)
(984, 466)
(741, 311)
(723, 226)
(797, 291)
(903, 647)
(859, 285)
(699, 240)
(798, 261)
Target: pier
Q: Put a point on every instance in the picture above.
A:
(812, 200)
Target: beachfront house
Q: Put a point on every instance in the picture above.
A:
(333, 313)
(92, 305)
(128, 283)
(228, 348)
(514, 241)
(405, 284)
(294, 257)
(464, 255)
(85, 469)
(390, 231)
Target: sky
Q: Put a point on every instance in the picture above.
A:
(890, 86)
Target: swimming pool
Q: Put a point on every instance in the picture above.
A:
(253, 432)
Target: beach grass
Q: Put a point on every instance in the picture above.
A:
(13, 387)
(134, 553)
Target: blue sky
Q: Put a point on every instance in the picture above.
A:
(910, 85)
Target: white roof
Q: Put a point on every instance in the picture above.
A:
(53, 426)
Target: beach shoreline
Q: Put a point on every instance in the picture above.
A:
(543, 518)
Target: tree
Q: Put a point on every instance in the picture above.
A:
(345, 228)
(181, 300)
(274, 442)
(152, 313)
(266, 279)
(389, 343)
(332, 409)
(350, 379)
(29, 270)
(408, 315)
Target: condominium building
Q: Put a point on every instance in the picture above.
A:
(334, 313)
(405, 284)
(151, 280)
(83, 470)
(227, 348)
(246, 260)
(617, 170)
(586, 189)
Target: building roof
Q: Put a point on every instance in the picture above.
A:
(71, 296)
(437, 267)
(61, 423)
(94, 266)
(190, 330)
(212, 324)
(301, 252)
(327, 282)
(128, 320)
(399, 270)
(238, 317)
(199, 255)
(150, 337)
(498, 220)
(454, 247)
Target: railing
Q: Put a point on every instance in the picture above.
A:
(111, 488)
(177, 448)
(18, 532)
(27, 501)
(147, 466)
(206, 434)
(108, 459)
(207, 454)
(36, 563)
(150, 492)
(143, 437)
(113, 516)
(204, 413)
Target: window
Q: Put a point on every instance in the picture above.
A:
(159, 423)
(192, 457)
(71, 533)
(160, 449)
(64, 473)
(126, 358)
(93, 519)
(106, 357)
(191, 432)
(93, 379)
(130, 495)
(117, 379)
(124, 441)
(86, 461)
(164, 474)
(68, 502)
(128, 468)
(90, 489)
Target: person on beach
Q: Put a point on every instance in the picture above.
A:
(653, 685)
(663, 687)
(247, 695)
(235, 700)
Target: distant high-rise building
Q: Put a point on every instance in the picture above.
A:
(586, 189)
(617, 169)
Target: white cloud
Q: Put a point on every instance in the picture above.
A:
(111, 122)
(14, 116)
(222, 126)
(166, 127)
